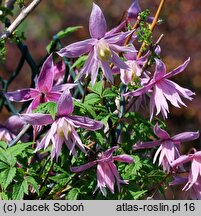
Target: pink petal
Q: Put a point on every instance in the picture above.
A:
(140, 91)
(63, 87)
(53, 96)
(37, 118)
(97, 23)
(118, 62)
(160, 132)
(65, 104)
(22, 95)
(134, 10)
(83, 167)
(181, 160)
(160, 70)
(148, 144)
(108, 176)
(186, 136)
(85, 122)
(107, 71)
(77, 49)
(45, 79)
(124, 158)
(86, 68)
(177, 70)
(160, 101)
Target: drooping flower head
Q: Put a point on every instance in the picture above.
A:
(102, 48)
(195, 171)
(63, 128)
(107, 172)
(44, 90)
(162, 89)
(193, 192)
(169, 147)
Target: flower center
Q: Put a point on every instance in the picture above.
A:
(103, 51)
(64, 127)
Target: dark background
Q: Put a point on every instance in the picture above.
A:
(181, 27)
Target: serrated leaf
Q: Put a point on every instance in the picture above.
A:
(92, 99)
(47, 108)
(61, 178)
(31, 181)
(79, 62)
(73, 194)
(3, 165)
(108, 93)
(19, 190)
(3, 145)
(7, 158)
(7, 176)
(88, 108)
(3, 196)
(97, 88)
(19, 148)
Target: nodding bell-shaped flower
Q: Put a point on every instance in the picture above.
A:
(169, 147)
(107, 172)
(63, 128)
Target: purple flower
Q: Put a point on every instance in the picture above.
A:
(11, 128)
(134, 11)
(194, 192)
(102, 48)
(195, 171)
(63, 127)
(164, 89)
(106, 169)
(169, 146)
(44, 91)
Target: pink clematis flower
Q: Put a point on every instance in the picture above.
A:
(63, 127)
(106, 169)
(169, 146)
(191, 193)
(102, 48)
(44, 91)
(195, 172)
(163, 89)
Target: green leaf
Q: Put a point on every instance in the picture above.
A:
(79, 62)
(3, 145)
(3, 196)
(133, 168)
(61, 178)
(3, 165)
(67, 31)
(138, 194)
(7, 176)
(87, 108)
(19, 190)
(92, 99)
(7, 158)
(108, 93)
(73, 194)
(19, 148)
(31, 181)
(47, 108)
(97, 88)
